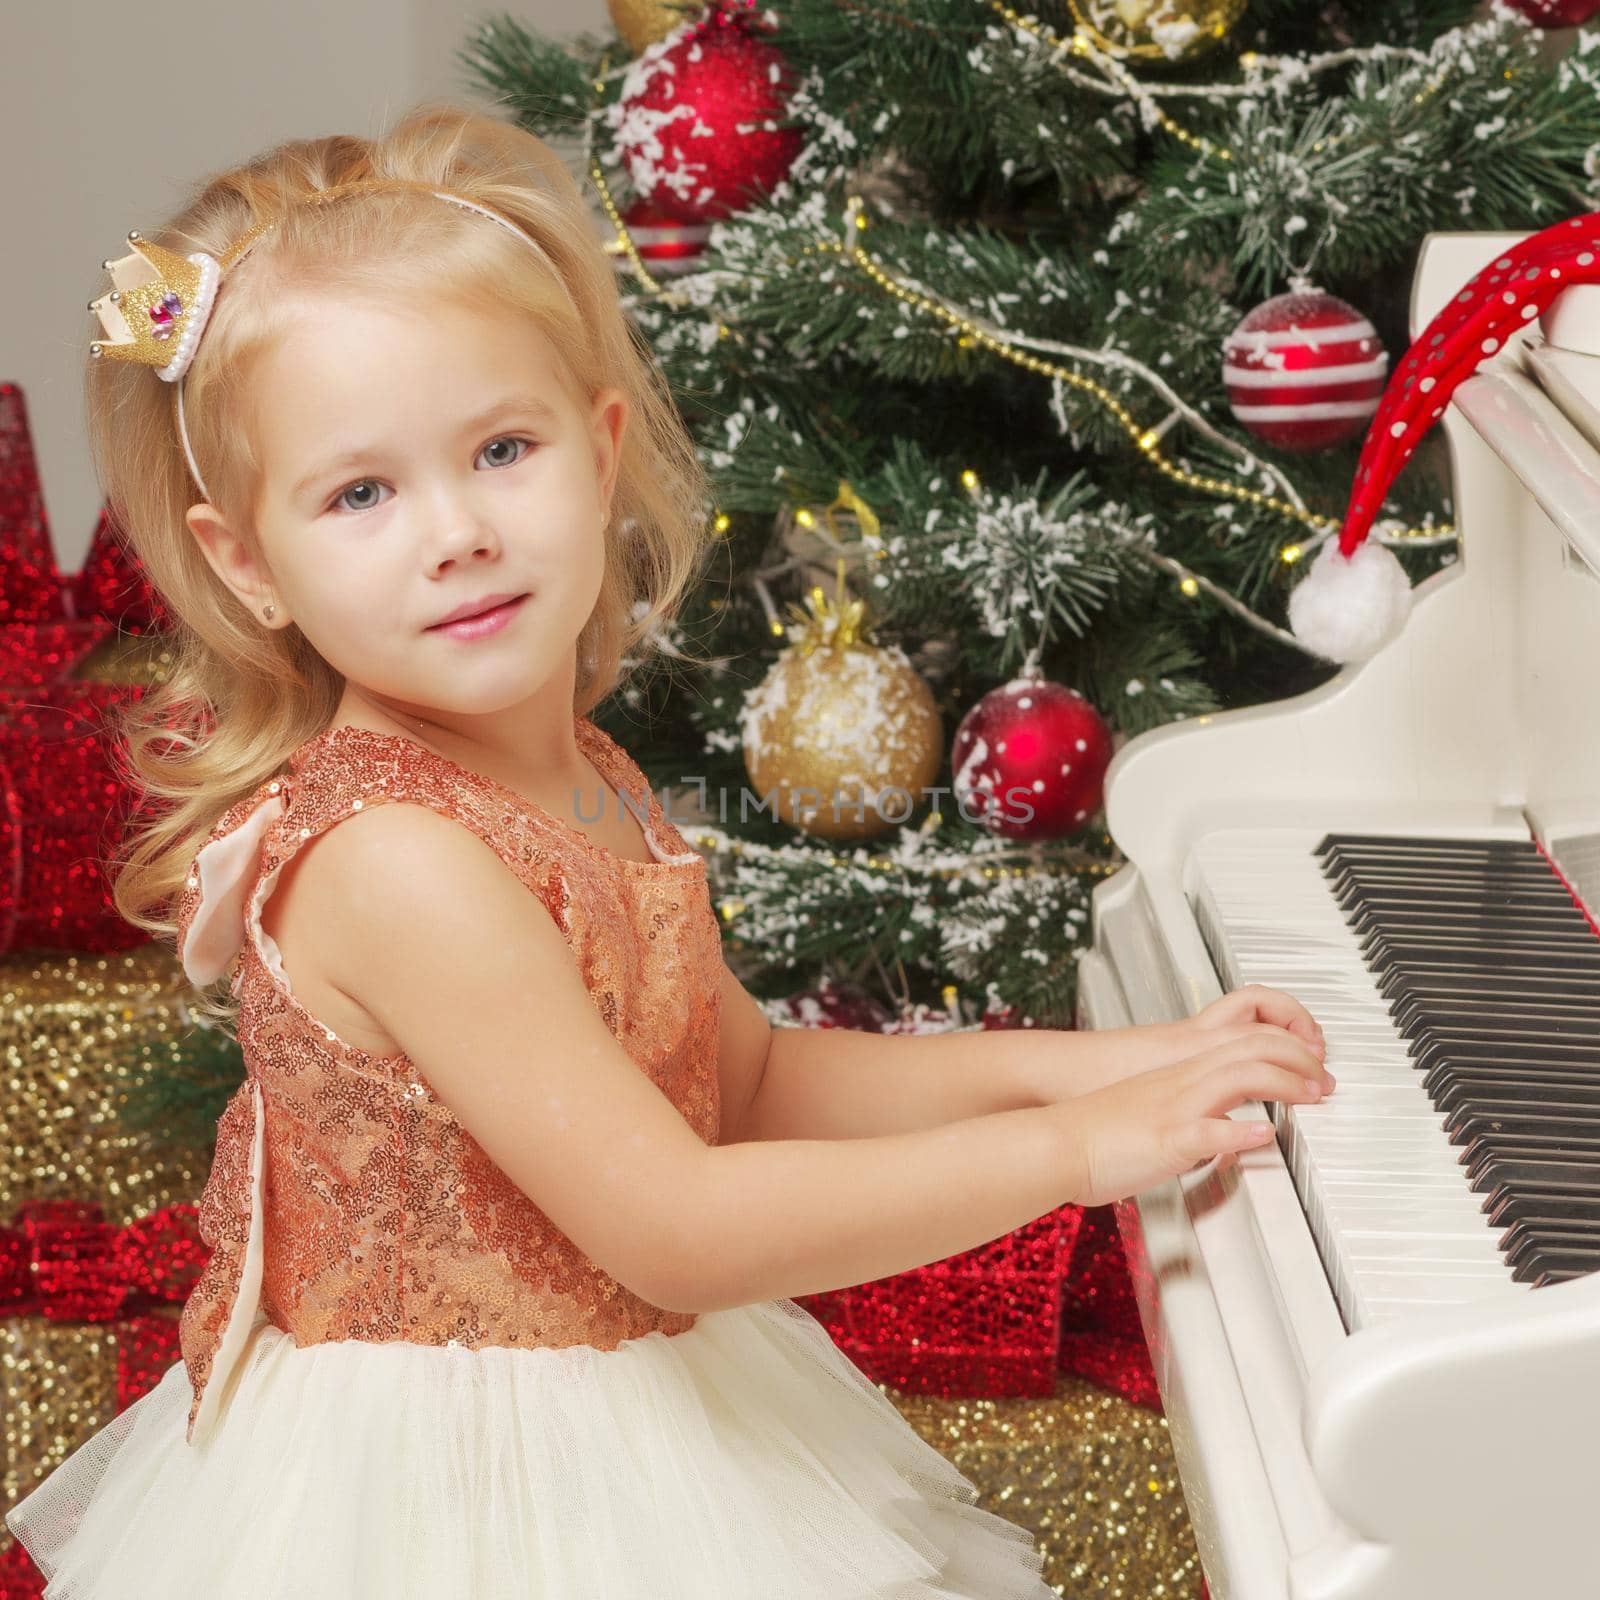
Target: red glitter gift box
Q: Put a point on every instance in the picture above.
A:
(984, 1322)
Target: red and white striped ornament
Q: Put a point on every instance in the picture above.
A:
(665, 245)
(1304, 370)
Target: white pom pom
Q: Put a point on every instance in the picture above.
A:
(1348, 609)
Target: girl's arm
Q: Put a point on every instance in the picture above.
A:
(800, 1216)
(837, 1083)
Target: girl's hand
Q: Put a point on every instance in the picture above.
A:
(1129, 1136)
(1255, 1002)
(1108, 1055)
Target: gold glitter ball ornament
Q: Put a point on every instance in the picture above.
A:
(1171, 30)
(842, 738)
(639, 23)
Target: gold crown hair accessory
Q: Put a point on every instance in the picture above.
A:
(160, 302)
(158, 307)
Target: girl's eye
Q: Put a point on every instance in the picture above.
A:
(509, 438)
(341, 504)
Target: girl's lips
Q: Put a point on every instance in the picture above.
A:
(485, 622)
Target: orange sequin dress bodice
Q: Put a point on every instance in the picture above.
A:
(345, 1201)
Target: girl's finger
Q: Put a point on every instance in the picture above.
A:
(1273, 1005)
(1217, 1136)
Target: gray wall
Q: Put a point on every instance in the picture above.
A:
(108, 115)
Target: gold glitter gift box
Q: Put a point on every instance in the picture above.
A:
(1090, 1474)
(98, 1237)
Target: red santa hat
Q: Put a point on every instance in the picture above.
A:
(1356, 596)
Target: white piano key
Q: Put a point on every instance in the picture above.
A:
(1388, 1248)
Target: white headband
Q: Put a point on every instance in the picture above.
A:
(160, 303)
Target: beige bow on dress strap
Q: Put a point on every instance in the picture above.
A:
(225, 868)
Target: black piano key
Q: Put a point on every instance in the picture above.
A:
(1345, 869)
(1393, 941)
(1557, 1176)
(1534, 1206)
(1489, 1029)
(1510, 925)
(1367, 915)
(1420, 958)
(1488, 1095)
(1440, 1081)
(1573, 1131)
(1444, 892)
(1522, 1239)
(1558, 1015)
(1470, 901)
(1399, 985)
(1376, 846)
(1465, 958)
(1572, 1267)
(1483, 1157)
(1348, 885)
(1536, 1263)
(1463, 1127)
(1444, 1044)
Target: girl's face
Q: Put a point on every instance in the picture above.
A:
(414, 461)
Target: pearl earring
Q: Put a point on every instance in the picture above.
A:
(267, 611)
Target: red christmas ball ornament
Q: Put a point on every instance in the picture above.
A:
(691, 122)
(1557, 13)
(1304, 370)
(665, 245)
(1030, 759)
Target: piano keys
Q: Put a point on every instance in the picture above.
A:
(1378, 1336)
(1458, 984)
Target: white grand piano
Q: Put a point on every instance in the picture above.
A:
(1378, 1338)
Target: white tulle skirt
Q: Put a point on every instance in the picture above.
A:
(745, 1459)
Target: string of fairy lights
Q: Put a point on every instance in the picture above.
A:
(1086, 43)
(971, 330)
(1262, 73)
(990, 866)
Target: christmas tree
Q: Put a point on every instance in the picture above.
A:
(1029, 354)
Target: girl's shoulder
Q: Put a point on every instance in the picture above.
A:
(337, 774)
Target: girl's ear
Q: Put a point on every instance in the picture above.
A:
(233, 561)
(607, 419)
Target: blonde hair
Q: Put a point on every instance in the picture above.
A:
(240, 697)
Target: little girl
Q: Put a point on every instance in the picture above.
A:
(502, 1233)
